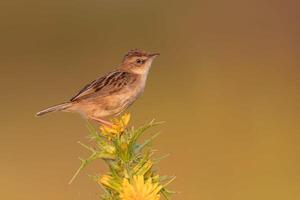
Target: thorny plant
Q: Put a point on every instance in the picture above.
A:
(131, 175)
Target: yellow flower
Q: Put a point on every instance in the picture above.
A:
(104, 180)
(139, 189)
(110, 182)
(117, 128)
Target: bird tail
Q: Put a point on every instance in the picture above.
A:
(55, 108)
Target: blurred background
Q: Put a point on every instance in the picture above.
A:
(227, 84)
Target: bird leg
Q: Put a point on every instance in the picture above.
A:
(102, 121)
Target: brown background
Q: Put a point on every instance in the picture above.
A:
(227, 84)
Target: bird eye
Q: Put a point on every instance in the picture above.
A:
(139, 61)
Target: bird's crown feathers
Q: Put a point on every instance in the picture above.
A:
(135, 53)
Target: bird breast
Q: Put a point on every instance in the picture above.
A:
(128, 96)
(134, 90)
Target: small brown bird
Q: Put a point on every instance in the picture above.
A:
(112, 93)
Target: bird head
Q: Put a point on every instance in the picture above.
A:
(138, 61)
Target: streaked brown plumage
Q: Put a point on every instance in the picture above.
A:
(112, 93)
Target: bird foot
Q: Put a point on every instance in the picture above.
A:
(102, 121)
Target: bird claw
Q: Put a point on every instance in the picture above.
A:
(102, 121)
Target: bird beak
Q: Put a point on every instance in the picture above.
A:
(153, 55)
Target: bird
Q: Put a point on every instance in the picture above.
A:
(113, 93)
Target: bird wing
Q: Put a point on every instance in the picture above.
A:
(105, 85)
